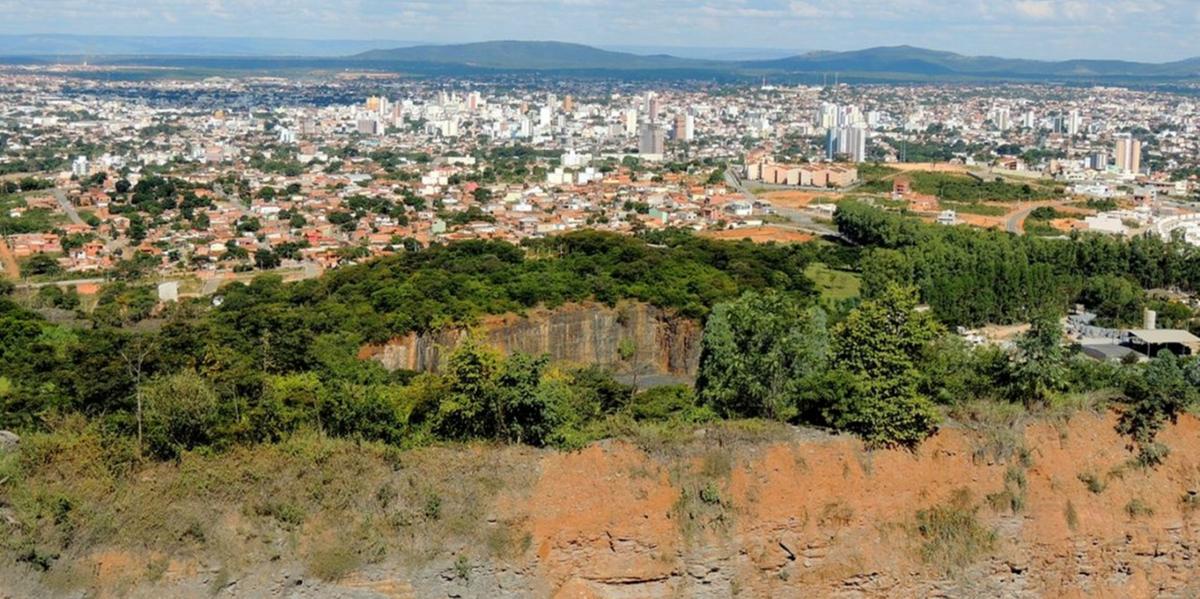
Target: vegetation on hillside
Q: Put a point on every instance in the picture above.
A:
(278, 362)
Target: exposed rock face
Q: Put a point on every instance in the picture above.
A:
(9, 440)
(574, 333)
(809, 516)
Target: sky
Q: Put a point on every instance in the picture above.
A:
(1145, 30)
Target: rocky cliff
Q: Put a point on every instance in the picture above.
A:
(575, 333)
(1052, 509)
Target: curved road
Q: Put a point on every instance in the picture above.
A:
(1015, 221)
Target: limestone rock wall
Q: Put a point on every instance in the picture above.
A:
(575, 333)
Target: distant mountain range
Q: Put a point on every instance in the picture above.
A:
(895, 63)
(532, 56)
(898, 61)
(919, 61)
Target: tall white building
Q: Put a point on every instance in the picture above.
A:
(1074, 122)
(850, 141)
(630, 121)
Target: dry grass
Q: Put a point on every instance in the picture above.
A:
(73, 493)
(950, 537)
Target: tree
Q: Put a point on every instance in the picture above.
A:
(288, 402)
(1158, 395)
(266, 259)
(1038, 369)
(756, 354)
(526, 410)
(873, 390)
(181, 413)
(40, 264)
(482, 195)
(466, 411)
(1116, 299)
(134, 355)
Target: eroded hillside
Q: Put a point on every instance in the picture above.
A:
(1050, 508)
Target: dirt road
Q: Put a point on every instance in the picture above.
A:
(8, 263)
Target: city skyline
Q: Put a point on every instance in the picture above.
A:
(1155, 30)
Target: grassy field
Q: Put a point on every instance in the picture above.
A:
(834, 284)
(973, 208)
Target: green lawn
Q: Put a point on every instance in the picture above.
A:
(833, 284)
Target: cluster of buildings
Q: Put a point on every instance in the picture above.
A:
(324, 172)
(761, 167)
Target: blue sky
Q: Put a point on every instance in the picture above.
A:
(1152, 30)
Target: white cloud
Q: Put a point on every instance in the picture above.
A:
(1078, 28)
(1035, 9)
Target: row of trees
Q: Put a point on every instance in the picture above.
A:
(884, 369)
(973, 277)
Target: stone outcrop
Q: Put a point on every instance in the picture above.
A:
(9, 440)
(575, 333)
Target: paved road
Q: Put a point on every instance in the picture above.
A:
(1015, 221)
(68, 283)
(67, 206)
(800, 220)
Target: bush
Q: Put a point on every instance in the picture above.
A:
(1156, 397)
(1137, 508)
(1094, 483)
(951, 536)
(180, 413)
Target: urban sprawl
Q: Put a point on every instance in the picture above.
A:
(195, 182)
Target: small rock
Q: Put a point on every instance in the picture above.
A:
(9, 440)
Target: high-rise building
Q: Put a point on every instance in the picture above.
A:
(856, 143)
(80, 167)
(568, 104)
(849, 141)
(652, 107)
(651, 139)
(630, 117)
(1098, 161)
(827, 115)
(685, 125)
(370, 126)
(1074, 122)
(1129, 154)
(1001, 118)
